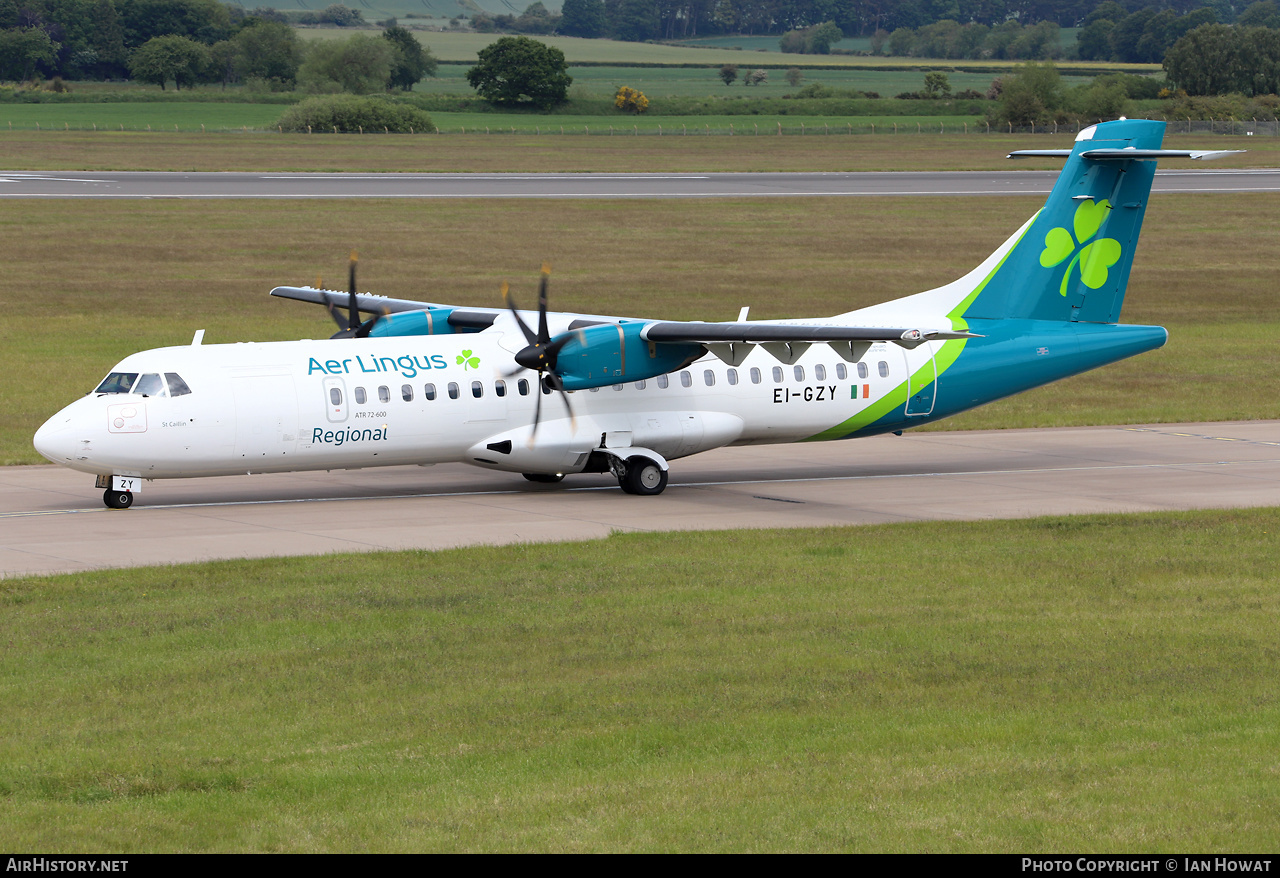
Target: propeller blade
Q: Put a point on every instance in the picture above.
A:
(353, 306)
(554, 380)
(337, 315)
(543, 335)
(537, 411)
(528, 333)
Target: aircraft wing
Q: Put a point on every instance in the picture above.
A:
(731, 342)
(366, 302)
(763, 333)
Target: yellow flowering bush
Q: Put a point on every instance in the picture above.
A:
(630, 100)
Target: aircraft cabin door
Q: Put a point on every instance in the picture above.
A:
(922, 387)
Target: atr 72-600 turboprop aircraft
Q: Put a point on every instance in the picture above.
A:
(422, 383)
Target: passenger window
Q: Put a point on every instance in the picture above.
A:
(453, 390)
(595, 390)
(709, 377)
(177, 387)
(406, 392)
(777, 374)
(640, 385)
(429, 392)
(884, 369)
(477, 389)
(862, 370)
(755, 375)
(384, 393)
(500, 388)
(663, 381)
(841, 372)
(617, 387)
(733, 376)
(799, 370)
(819, 373)
(686, 379)
(335, 396)
(149, 385)
(117, 382)
(360, 396)
(523, 386)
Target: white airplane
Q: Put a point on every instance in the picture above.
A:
(423, 383)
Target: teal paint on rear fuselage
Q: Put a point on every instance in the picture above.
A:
(1047, 310)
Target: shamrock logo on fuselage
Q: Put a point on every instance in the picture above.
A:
(466, 361)
(1094, 258)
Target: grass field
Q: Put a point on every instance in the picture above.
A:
(1089, 683)
(659, 82)
(463, 47)
(28, 150)
(100, 279)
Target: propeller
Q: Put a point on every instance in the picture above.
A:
(350, 326)
(542, 351)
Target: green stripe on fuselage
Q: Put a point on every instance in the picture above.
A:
(943, 360)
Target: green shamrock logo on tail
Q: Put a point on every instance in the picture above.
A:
(1094, 258)
(466, 361)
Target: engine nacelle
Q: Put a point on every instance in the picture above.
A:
(614, 353)
(434, 321)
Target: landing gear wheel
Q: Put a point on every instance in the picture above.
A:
(117, 499)
(544, 478)
(643, 477)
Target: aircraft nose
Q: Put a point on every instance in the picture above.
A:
(56, 438)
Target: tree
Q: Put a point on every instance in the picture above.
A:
(794, 76)
(269, 51)
(518, 70)
(1205, 61)
(359, 64)
(21, 49)
(824, 37)
(582, 18)
(937, 85)
(756, 77)
(414, 62)
(205, 21)
(636, 20)
(172, 57)
(728, 73)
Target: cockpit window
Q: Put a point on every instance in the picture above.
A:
(149, 385)
(117, 382)
(177, 387)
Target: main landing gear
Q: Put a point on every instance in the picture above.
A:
(642, 476)
(117, 499)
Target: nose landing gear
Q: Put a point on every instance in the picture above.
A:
(117, 499)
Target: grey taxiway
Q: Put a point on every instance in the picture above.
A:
(27, 184)
(52, 520)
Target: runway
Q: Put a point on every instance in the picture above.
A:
(94, 184)
(52, 520)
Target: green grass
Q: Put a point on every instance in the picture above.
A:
(462, 47)
(138, 116)
(660, 82)
(456, 123)
(1099, 683)
(101, 279)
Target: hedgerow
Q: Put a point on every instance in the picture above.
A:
(349, 114)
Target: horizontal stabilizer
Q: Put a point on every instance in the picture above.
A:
(1128, 154)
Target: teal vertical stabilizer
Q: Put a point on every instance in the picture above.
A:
(1073, 263)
